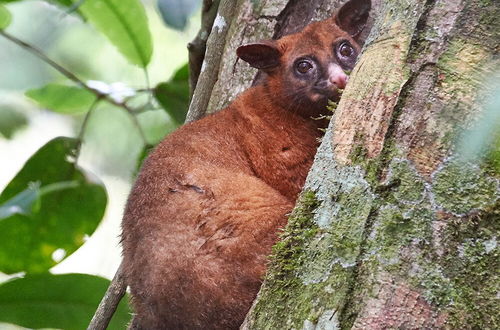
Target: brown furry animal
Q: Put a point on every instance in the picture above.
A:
(209, 201)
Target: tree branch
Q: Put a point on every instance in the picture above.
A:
(209, 69)
(83, 128)
(71, 76)
(198, 46)
(110, 302)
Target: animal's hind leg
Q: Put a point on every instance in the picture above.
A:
(205, 251)
(237, 236)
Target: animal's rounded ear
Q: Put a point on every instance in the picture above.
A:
(352, 16)
(263, 55)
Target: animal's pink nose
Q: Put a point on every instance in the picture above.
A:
(339, 79)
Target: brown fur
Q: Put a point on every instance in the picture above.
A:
(208, 202)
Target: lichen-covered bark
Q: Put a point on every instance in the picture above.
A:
(209, 70)
(394, 229)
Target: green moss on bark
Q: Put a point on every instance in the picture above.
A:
(287, 253)
(472, 261)
(451, 261)
(386, 219)
(461, 188)
(312, 266)
(282, 284)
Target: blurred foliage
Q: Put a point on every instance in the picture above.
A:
(37, 230)
(158, 123)
(63, 99)
(174, 95)
(482, 141)
(11, 120)
(5, 17)
(42, 301)
(175, 13)
(125, 24)
(53, 205)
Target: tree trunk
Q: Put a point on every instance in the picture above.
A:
(393, 229)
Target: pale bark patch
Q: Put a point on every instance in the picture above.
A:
(397, 306)
(364, 118)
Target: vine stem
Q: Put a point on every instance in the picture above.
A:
(71, 76)
(148, 86)
(78, 148)
(215, 44)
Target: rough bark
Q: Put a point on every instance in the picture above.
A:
(198, 46)
(393, 229)
(209, 69)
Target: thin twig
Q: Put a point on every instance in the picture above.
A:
(38, 53)
(79, 144)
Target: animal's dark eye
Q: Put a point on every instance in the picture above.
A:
(304, 66)
(345, 49)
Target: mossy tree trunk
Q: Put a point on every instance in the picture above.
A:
(393, 229)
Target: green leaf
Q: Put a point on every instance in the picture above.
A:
(142, 157)
(22, 203)
(5, 17)
(62, 99)
(174, 95)
(175, 13)
(69, 207)
(182, 74)
(156, 124)
(11, 120)
(66, 3)
(56, 301)
(125, 24)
